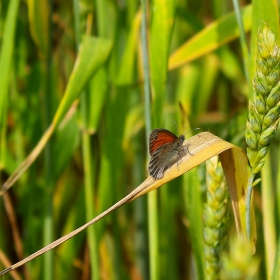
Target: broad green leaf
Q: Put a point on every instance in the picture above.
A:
(210, 38)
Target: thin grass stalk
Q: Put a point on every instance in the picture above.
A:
(243, 42)
(146, 70)
(269, 227)
(152, 198)
(87, 164)
(48, 159)
(140, 213)
(89, 194)
(264, 110)
(48, 216)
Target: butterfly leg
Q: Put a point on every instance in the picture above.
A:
(178, 158)
(187, 148)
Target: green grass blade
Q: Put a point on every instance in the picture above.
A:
(106, 10)
(99, 150)
(6, 56)
(92, 54)
(96, 98)
(126, 73)
(163, 17)
(243, 42)
(49, 156)
(89, 195)
(210, 38)
(162, 21)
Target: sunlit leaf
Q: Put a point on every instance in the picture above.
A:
(210, 38)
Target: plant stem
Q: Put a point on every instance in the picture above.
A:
(48, 157)
(152, 198)
(87, 163)
(243, 42)
(248, 204)
(146, 68)
(268, 212)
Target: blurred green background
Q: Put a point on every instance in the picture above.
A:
(200, 76)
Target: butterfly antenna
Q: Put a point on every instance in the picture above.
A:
(176, 125)
(197, 128)
(186, 132)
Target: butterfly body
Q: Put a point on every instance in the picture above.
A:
(165, 149)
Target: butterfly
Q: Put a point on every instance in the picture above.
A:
(165, 149)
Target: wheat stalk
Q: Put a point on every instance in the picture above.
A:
(264, 109)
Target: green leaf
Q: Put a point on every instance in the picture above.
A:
(126, 71)
(7, 50)
(92, 54)
(163, 16)
(210, 38)
(96, 98)
(106, 9)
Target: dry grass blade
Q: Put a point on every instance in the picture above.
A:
(202, 147)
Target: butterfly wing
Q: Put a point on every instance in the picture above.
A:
(160, 161)
(159, 137)
(163, 148)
